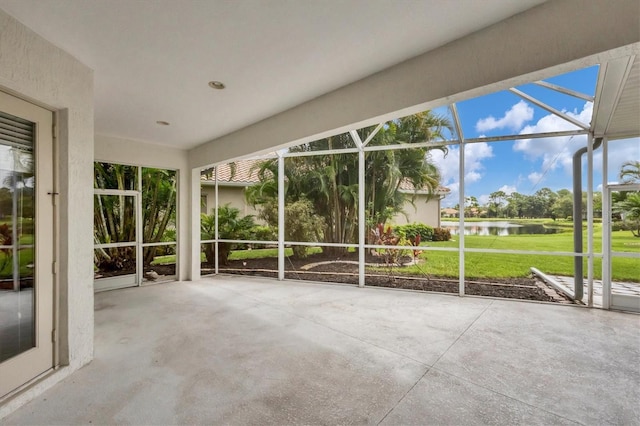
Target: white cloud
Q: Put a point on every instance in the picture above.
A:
(512, 119)
(472, 177)
(449, 167)
(618, 152)
(535, 178)
(555, 151)
(483, 200)
(508, 189)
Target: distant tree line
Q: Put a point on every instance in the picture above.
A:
(544, 203)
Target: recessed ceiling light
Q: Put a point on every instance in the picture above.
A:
(216, 85)
(162, 123)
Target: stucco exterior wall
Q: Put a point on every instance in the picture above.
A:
(233, 195)
(136, 153)
(35, 70)
(423, 211)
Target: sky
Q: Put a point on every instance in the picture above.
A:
(526, 165)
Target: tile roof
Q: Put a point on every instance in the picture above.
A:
(246, 172)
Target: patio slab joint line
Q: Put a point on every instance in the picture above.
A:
(403, 397)
(462, 334)
(463, 379)
(428, 369)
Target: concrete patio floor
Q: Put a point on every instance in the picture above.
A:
(237, 350)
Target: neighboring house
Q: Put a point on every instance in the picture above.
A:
(232, 185)
(449, 213)
(425, 208)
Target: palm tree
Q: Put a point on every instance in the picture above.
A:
(159, 212)
(629, 209)
(330, 182)
(630, 172)
(115, 215)
(231, 226)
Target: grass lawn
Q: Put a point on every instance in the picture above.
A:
(25, 258)
(237, 255)
(262, 253)
(484, 265)
(517, 265)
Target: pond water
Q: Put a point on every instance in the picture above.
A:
(498, 228)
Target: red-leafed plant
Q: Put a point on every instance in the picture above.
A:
(415, 241)
(387, 237)
(6, 239)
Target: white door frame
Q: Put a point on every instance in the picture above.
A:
(19, 370)
(609, 299)
(133, 280)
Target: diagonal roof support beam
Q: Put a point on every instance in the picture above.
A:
(550, 109)
(356, 139)
(375, 132)
(564, 90)
(456, 121)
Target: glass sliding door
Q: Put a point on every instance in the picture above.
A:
(26, 242)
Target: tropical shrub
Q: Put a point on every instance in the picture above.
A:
(265, 233)
(411, 230)
(387, 237)
(301, 223)
(629, 211)
(231, 226)
(441, 234)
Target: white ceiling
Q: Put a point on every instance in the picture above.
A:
(154, 58)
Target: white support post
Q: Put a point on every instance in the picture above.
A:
(606, 229)
(281, 224)
(362, 227)
(590, 220)
(456, 119)
(139, 225)
(194, 226)
(216, 235)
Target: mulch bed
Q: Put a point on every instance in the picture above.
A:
(339, 272)
(162, 270)
(7, 283)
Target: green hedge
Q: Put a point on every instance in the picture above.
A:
(410, 231)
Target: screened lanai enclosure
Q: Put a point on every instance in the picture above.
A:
(529, 193)
(309, 188)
